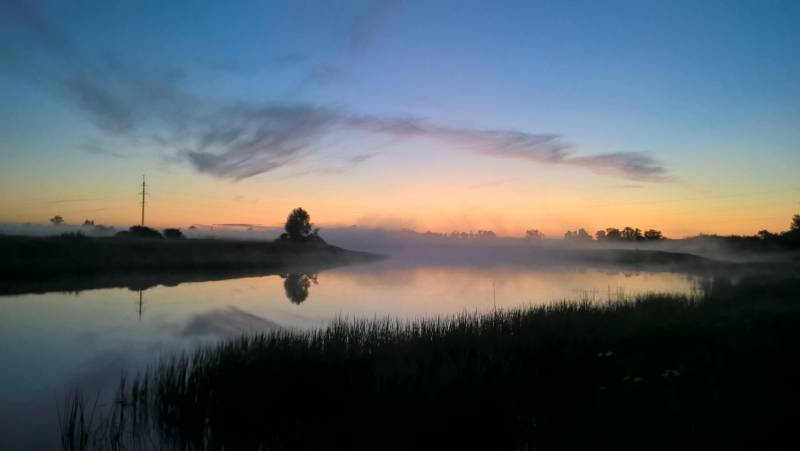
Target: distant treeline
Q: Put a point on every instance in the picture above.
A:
(615, 234)
(789, 239)
(299, 228)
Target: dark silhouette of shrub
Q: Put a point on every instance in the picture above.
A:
(173, 234)
(534, 235)
(653, 235)
(613, 234)
(628, 234)
(72, 236)
(578, 235)
(57, 220)
(140, 232)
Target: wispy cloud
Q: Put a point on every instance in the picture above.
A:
(241, 139)
(260, 140)
(94, 148)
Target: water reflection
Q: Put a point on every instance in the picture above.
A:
(296, 286)
(225, 323)
(104, 332)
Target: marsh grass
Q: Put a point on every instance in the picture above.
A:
(654, 371)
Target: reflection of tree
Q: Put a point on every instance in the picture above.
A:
(296, 286)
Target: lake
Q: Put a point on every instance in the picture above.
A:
(52, 343)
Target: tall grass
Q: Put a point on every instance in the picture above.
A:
(655, 371)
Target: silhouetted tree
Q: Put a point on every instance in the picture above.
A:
(653, 235)
(766, 235)
(600, 235)
(88, 223)
(57, 220)
(534, 235)
(613, 234)
(629, 234)
(173, 234)
(298, 225)
(791, 238)
(486, 234)
(296, 286)
(578, 235)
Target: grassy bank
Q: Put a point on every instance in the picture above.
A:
(24, 256)
(657, 371)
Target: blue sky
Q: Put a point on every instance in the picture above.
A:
(680, 99)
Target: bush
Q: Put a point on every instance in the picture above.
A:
(140, 232)
(173, 234)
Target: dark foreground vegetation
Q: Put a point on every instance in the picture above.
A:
(656, 372)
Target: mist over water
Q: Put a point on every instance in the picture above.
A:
(88, 339)
(411, 247)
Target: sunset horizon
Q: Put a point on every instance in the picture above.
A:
(399, 224)
(687, 129)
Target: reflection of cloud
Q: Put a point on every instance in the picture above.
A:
(102, 370)
(226, 322)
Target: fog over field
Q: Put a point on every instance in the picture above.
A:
(405, 246)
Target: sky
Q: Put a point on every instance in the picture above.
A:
(430, 115)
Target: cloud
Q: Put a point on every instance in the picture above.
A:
(241, 139)
(360, 158)
(97, 149)
(323, 74)
(255, 141)
(246, 141)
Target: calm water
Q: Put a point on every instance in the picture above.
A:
(53, 343)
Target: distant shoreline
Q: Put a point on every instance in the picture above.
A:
(50, 257)
(37, 265)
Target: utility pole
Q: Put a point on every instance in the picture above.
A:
(143, 193)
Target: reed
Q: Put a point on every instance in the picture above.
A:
(656, 371)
